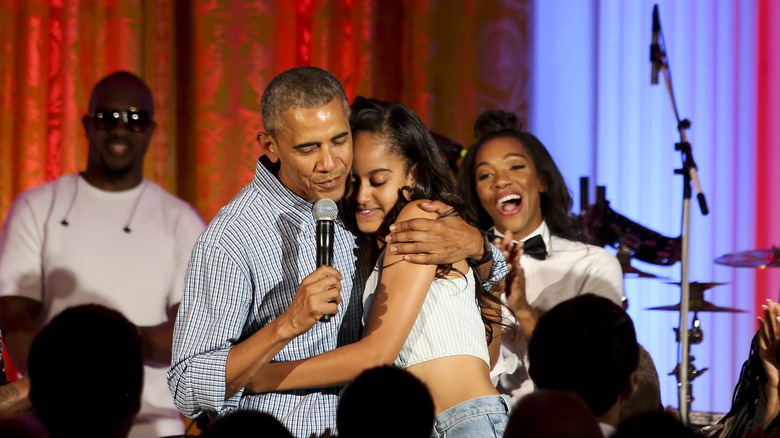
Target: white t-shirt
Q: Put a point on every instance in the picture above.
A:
(570, 269)
(93, 259)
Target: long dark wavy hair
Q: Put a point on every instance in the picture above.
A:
(556, 201)
(409, 140)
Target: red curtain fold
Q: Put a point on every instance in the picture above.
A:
(768, 146)
(207, 64)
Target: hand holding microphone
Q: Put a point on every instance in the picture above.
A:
(319, 294)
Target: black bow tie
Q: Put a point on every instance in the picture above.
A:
(535, 247)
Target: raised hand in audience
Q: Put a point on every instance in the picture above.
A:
(769, 338)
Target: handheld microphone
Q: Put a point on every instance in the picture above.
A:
(656, 56)
(325, 212)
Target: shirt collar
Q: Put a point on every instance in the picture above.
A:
(607, 429)
(289, 205)
(542, 230)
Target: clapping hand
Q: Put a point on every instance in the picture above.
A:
(513, 285)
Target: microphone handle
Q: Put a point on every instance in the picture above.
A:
(325, 233)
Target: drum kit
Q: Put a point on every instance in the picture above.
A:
(601, 226)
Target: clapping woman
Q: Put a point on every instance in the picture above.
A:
(515, 192)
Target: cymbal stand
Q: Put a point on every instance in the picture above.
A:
(688, 171)
(695, 336)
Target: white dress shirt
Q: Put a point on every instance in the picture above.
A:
(571, 268)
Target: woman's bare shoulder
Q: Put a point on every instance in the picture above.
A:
(412, 210)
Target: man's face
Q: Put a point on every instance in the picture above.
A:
(114, 147)
(314, 149)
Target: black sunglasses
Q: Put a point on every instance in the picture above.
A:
(135, 120)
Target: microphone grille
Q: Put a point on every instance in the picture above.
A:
(325, 210)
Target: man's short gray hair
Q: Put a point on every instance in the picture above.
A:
(299, 87)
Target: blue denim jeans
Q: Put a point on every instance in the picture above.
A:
(481, 417)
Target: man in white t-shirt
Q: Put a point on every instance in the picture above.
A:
(106, 236)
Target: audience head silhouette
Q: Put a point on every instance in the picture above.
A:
(388, 402)
(247, 423)
(23, 426)
(108, 357)
(647, 396)
(655, 424)
(549, 413)
(587, 345)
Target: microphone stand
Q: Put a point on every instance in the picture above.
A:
(689, 173)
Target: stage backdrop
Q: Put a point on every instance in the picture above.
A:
(593, 105)
(576, 71)
(209, 62)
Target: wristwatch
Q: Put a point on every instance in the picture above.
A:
(487, 256)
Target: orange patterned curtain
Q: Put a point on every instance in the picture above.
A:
(53, 52)
(208, 62)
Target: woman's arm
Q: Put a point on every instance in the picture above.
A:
(495, 317)
(397, 301)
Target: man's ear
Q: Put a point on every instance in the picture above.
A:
(630, 388)
(268, 145)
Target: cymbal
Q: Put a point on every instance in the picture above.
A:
(632, 272)
(704, 306)
(755, 258)
(695, 285)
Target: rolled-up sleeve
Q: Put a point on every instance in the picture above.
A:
(214, 309)
(498, 270)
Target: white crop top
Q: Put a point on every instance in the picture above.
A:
(449, 322)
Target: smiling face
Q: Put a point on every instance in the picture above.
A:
(378, 175)
(508, 186)
(116, 153)
(314, 149)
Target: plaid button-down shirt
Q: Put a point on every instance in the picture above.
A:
(244, 271)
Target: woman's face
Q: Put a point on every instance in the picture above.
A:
(378, 175)
(508, 186)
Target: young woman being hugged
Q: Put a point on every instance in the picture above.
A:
(426, 319)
